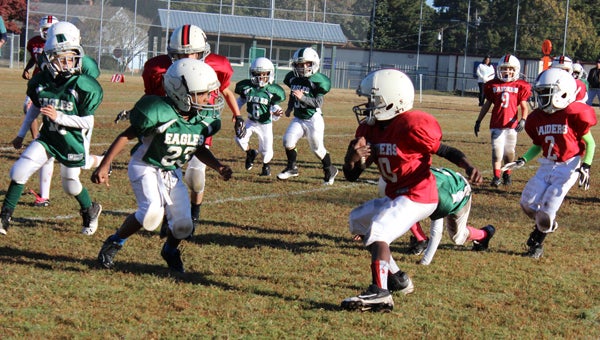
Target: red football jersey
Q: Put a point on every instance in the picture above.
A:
(506, 97)
(35, 47)
(155, 67)
(403, 154)
(559, 134)
(582, 90)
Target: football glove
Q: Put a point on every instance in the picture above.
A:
(476, 127)
(584, 176)
(521, 125)
(514, 165)
(121, 116)
(240, 127)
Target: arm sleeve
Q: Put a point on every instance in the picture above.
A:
(32, 113)
(533, 151)
(85, 122)
(590, 147)
(313, 102)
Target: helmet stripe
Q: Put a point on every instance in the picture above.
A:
(185, 35)
(507, 58)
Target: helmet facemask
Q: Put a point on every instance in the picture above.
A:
(369, 111)
(62, 64)
(303, 69)
(554, 90)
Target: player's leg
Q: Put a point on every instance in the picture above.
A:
(30, 161)
(498, 139)
(149, 214)
(290, 138)
(90, 211)
(46, 172)
(315, 133)
(509, 153)
(265, 146)
(181, 225)
(244, 144)
(195, 179)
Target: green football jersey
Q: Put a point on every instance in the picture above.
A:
(166, 139)
(259, 99)
(453, 192)
(89, 67)
(80, 95)
(316, 85)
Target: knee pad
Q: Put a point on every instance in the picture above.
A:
(70, 180)
(545, 223)
(195, 177)
(181, 227)
(152, 217)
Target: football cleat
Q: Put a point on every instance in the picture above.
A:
(374, 299)
(535, 251)
(250, 157)
(122, 116)
(496, 182)
(330, 174)
(41, 202)
(108, 252)
(5, 217)
(417, 247)
(288, 172)
(173, 259)
(90, 218)
(400, 282)
(482, 245)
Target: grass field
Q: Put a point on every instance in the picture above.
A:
(274, 259)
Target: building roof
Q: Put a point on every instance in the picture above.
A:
(261, 28)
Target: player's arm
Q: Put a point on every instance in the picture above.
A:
(231, 102)
(484, 109)
(100, 175)
(25, 75)
(458, 157)
(206, 156)
(311, 102)
(584, 169)
(358, 158)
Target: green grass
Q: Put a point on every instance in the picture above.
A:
(274, 259)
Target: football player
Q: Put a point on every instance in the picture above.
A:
(507, 93)
(560, 131)
(261, 97)
(308, 88)
(401, 141)
(189, 41)
(565, 63)
(67, 101)
(88, 66)
(170, 130)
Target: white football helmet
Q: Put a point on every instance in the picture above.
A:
(258, 67)
(188, 39)
(563, 62)
(187, 77)
(63, 53)
(305, 62)
(390, 93)
(578, 71)
(508, 68)
(554, 89)
(45, 24)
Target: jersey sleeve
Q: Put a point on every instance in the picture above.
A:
(524, 92)
(91, 95)
(145, 115)
(90, 67)
(241, 87)
(322, 83)
(287, 80)
(585, 118)
(153, 74)
(278, 93)
(424, 133)
(222, 67)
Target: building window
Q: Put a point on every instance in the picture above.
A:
(234, 52)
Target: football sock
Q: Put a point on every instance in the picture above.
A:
(393, 266)
(13, 194)
(497, 173)
(196, 211)
(418, 232)
(291, 155)
(476, 234)
(169, 249)
(326, 161)
(84, 199)
(379, 272)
